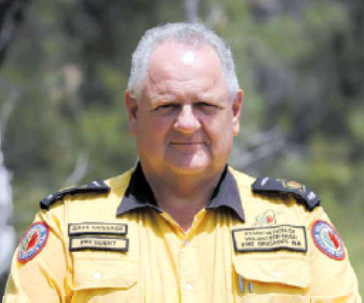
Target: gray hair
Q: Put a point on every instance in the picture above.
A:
(185, 33)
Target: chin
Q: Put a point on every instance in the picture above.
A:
(189, 168)
(181, 170)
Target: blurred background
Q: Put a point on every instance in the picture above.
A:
(64, 66)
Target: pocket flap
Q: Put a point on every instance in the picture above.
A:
(90, 274)
(289, 270)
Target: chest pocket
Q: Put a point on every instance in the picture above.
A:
(272, 277)
(104, 280)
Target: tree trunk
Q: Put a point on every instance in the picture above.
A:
(191, 10)
(7, 231)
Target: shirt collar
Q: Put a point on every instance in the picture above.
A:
(140, 195)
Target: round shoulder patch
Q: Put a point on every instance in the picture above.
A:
(33, 241)
(328, 240)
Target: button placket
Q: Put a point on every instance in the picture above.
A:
(97, 275)
(189, 286)
(188, 266)
(275, 274)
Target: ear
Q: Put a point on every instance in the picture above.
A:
(131, 105)
(236, 107)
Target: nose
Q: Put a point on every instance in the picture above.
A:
(186, 121)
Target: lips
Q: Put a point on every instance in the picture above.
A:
(189, 147)
(187, 143)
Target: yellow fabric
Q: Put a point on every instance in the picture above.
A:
(165, 264)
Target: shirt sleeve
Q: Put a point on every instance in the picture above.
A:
(332, 276)
(39, 268)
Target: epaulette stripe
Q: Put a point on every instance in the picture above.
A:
(301, 192)
(97, 187)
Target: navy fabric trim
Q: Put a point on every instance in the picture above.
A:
(226, 194)
(140, 195)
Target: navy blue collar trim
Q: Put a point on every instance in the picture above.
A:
(226, 194)
(140, 195)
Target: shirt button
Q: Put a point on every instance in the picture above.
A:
(97, 276)
(188, 286)
(275, 274)
(187, 243)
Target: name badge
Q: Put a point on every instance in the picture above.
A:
(99, 243)
(89, 228)
(271, 238)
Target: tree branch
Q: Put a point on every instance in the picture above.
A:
(191, 10)
(79, 171)
(259, 147)
(6, 110)
(7, 231)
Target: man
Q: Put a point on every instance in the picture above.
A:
(182, 226)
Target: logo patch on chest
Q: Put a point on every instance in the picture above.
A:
(270, 238)
(90, 228)
(99, 243)
(268, 218)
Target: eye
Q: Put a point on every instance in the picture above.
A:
(166, 108)
(169, 105)
(205, 104)
(207, 107)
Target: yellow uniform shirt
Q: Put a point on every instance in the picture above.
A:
(119, 246)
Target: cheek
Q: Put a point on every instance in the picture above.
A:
(151, 131)
(220, 133)
(219, 126)
(145, 123)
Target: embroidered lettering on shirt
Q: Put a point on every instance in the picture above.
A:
(99, 243)
(270, 238)
(90, 228)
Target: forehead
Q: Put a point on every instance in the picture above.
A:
(184, 62)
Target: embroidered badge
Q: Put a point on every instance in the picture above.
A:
(266, 219)
(328, 240)
(88, 228)
(33, 241)
(99, 243)
(270, 238)
(293, 185)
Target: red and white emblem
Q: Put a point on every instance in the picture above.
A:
(328, 240)
(266, 219)
(33, 241)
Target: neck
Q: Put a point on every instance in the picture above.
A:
(182, 197)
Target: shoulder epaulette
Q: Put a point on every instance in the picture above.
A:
(97, 187)
(301, 192)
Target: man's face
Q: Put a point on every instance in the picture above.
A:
(185, 121)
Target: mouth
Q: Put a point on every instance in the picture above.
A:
(186, 143)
